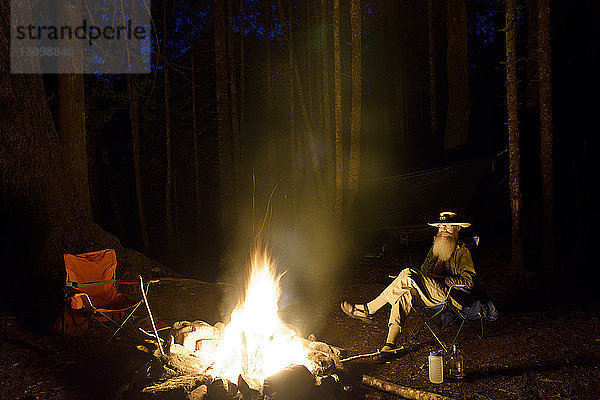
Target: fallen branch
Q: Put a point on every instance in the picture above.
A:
(187, 383)
(403, 391)
(190, 280)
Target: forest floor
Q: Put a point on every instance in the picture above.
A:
(546, 344)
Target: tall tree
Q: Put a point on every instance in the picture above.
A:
(71, 109)
(459, 106)
(223, 117)
(242, 79)
(329, 175)
(134, 117)
(234, 103)
(293, 135)
(169, 149)
(197, 189)
(339, 148)
(270, 145)
(293, 143)
(41, 219)
(546, 126)
(356, 112)
(532, 90)
(513, 133)
(432, 72)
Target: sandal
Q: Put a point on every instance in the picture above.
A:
(353, 312)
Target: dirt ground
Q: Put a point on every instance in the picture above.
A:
(544, 346)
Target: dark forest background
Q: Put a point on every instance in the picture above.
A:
(396, 134)
(236, 126)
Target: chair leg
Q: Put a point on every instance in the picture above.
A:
(458, 332)
(430, 329)
(482, 331)
(78, 328)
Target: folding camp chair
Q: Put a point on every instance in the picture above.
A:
(91, 294)
(480, 308)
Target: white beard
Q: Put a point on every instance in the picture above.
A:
(443, 247)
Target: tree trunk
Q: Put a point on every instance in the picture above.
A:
(71, 110)
(355, 123)
(546, 127)
(293, 136)
(273, 174)
(513, 133)
(339, 148)
(242, 83)
(41, 218)
(532, 90)
(134, 116)
(92, 160)
(330, 171)
(197, 191)
(432, 72)
(459, 107)
(169, 181)
(223, 117)
(71, 128)
(234, 102)
(293, 145)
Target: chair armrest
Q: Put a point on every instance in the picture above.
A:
(137, 283)
(457, 287)
(79, 295)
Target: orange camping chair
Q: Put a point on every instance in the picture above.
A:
(91, 294)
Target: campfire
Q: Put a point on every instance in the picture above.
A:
(255, 349)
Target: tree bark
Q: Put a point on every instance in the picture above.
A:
(293, 144)
(459, 107)
(71, 109)
(41, 218)
(134, 116)
(71, 128)
(513, 133)
(432, 72)
(242, 82)
(330, 171)
(339, 148)
(235, 111)
(169, 150)
(546, 127)
(223, 117)
(273, 173)
(197, 191)
(293, 135)
(532, 90)
(356, 113)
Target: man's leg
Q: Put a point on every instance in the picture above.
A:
(390, 294)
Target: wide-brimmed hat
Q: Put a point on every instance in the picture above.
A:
(450, 218)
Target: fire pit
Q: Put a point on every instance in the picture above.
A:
(254, 356)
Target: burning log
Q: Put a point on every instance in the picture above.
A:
(175, 388)
(247, 392)
(199, 393)
(292, 383)
(221, 389)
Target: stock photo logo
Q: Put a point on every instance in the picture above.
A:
(80, 36)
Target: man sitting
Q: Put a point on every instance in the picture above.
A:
(448, 263)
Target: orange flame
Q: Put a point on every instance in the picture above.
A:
(256, 343)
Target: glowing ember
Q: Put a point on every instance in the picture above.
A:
(256, 343)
